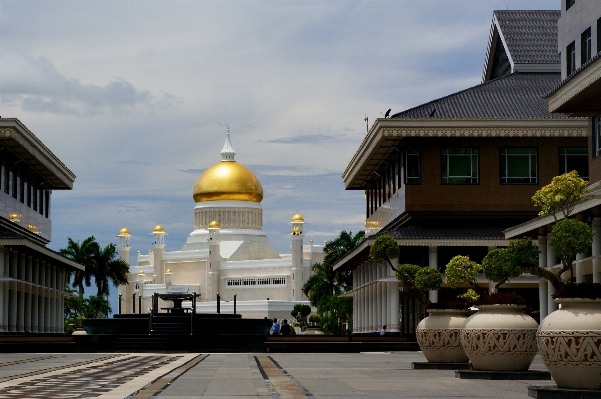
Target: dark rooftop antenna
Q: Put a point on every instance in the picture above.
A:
(366, 123)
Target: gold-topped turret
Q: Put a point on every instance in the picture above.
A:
(214, 225)
(124, 231)
(158, 229)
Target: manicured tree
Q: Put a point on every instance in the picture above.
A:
(569, 237)
(499, 268)
(419, 280)
(561, 194)
(462, 271)
(383, 250)
(300, 313)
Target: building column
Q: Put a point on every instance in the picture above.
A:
(35, 276)
(43, 293)
(3, 300)
(542, 298)
(551, 257)
(61, 303)
(596, 248)
(579, 275)
(433, 263)
(551, 261)
(385, 312)
(21, 293)
(393, 301)
(380, 321)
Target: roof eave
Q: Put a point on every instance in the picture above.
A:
(395, 129)
(12, 129)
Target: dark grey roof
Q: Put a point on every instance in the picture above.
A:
(7, 234)
(576, 72)
(518, 95)
(530, 36)
(446, 232)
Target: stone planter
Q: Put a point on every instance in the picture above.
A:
(439, 336)
(500, 338)
(569, 342)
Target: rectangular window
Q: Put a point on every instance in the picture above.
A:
(571, 58)
(412, 166)
(569, 3)
(519, 166)
(22, 188)
(459, 166)
(13, 182)
(585, 46)
(574, 158)
(596, 136)
(6, 178)
(47, 203)
(34, 197)
(599, 35)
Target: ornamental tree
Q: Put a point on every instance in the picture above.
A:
(498, 267)
(418, 280)
(462, 271)
(383, 249)
(561, 194)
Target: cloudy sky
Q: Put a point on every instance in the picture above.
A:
(135, 97)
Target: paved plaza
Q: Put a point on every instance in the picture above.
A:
(221, 376)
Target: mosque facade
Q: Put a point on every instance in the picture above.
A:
(227, 255)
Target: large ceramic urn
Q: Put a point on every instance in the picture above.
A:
(439, 336)
(569, 342)
(500, 338)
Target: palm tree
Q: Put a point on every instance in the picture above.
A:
(324, 282)
(336, 249)
(83, 254)
(320, 284)
(109, 267)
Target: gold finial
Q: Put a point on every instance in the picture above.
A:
(214, 225)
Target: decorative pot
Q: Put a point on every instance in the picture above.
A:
(439, 336)
(569, 342)
(500, 338)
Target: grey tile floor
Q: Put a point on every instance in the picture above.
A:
(223, 376)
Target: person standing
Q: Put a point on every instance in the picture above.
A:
(275, 327)
(383, 330)
(285, 330)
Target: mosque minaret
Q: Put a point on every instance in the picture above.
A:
(227, 253)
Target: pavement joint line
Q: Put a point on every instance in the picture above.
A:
(53, 369)
(270, 386)
(282, 382)
(155, 387)
(36, 359)
(298, 384)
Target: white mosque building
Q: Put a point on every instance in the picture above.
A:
(226, 254)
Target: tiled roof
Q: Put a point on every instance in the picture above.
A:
(576, 72)
(530, 36)
(7, 234)
(518, 95)
(446, 232)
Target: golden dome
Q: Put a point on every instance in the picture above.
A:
(124, 231)
(141, 273)
(168, 271)
(297, 218)
(214, 225)
(158, 229)
(228, 181)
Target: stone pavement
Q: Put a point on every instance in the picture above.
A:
(223, 376)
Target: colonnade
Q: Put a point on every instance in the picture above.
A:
(375, 299)
(31, 293)
(548, 258)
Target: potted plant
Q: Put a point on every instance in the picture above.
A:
(500, 337)
(438, 335)
(569, 338)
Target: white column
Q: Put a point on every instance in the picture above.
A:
(433, 263)
(596, 249)
(42, 326)
(393, 294)
(385, 312)
(542, 298)
(34, 310)
(379, 321)
(579, 275)
(12, 311)
(551, 261)
(61, 303)
(3, 300)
